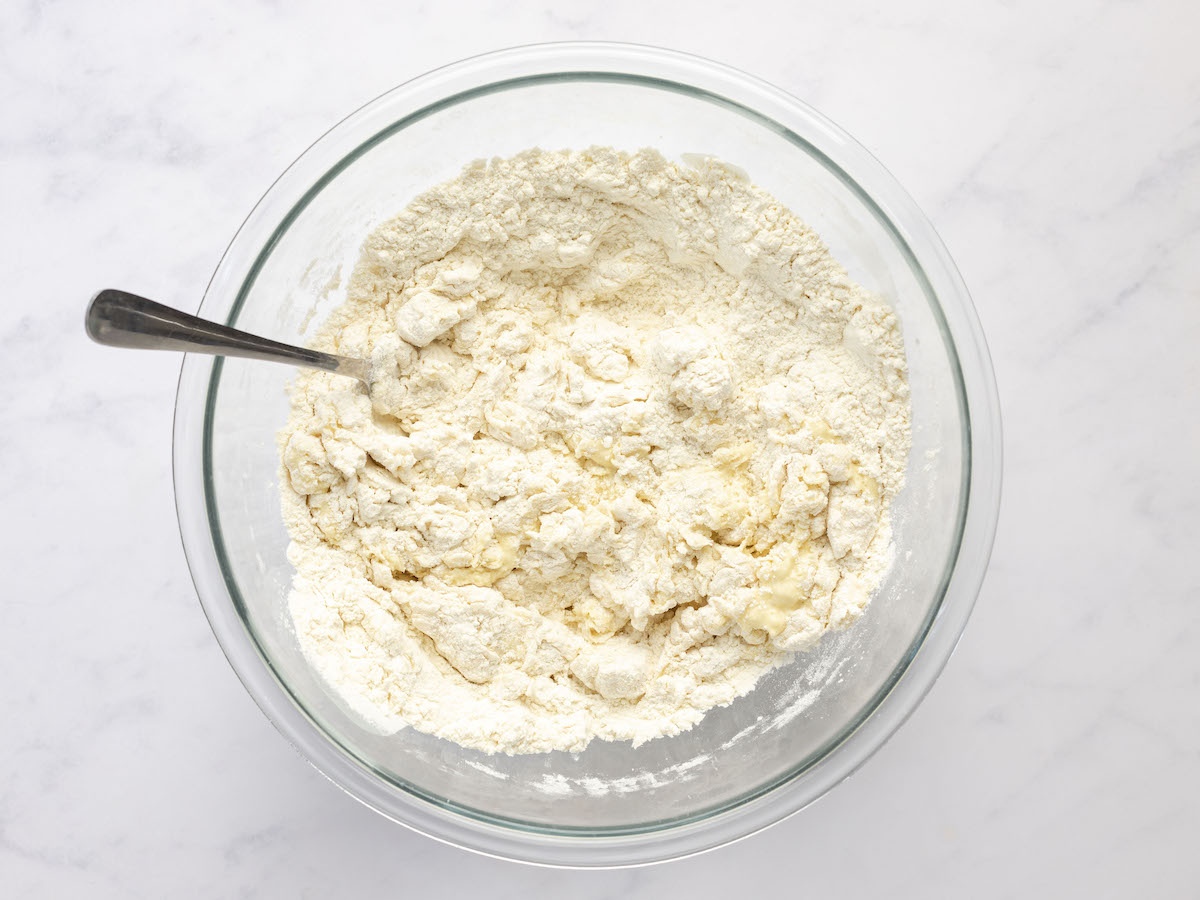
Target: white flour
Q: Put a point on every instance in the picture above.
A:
(634, 439)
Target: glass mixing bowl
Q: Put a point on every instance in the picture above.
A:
(808, 724)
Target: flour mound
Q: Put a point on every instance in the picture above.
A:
(633, 441)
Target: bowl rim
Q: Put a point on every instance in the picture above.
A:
(877, 720)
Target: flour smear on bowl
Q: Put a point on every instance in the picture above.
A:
(633, 441)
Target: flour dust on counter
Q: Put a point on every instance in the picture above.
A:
(632, 441)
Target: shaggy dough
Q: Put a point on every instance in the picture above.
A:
(632, 440)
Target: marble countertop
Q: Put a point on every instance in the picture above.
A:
(1057, 149)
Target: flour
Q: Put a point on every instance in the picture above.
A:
(632, 441)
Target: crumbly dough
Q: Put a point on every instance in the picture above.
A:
(632, 440)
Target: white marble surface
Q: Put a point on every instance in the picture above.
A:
(1057, 149)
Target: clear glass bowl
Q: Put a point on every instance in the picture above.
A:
(808, 724)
